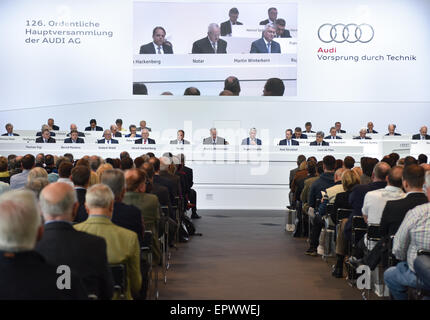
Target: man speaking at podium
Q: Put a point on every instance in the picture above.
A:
(266, 43)
(158, 46)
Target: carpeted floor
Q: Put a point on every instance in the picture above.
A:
(248, 255)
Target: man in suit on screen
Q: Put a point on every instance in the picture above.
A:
(333, 134)
(145, 138)
(180, 139)
(273, 14)
(107, 134)
(252, 140)
(226, 26)
(281, 32)
(362, 135)
(288, 141)
(93, 126)
(422, 135)
(212, 43)
(319, 140)
(74, 138)
(46, 137)
(214, 139)
(158, 45)
(9, 131)
(266, 43)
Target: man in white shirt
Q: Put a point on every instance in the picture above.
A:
(107, 138)
(180, 139)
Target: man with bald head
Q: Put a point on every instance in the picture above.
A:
(422, 135)
(370, 128)
(232, 84)
(107, 134)
(212, 43)
(392, 130)
(61, 244)
(74, 127)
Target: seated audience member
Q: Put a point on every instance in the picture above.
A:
(362, 135)
(298, 133)
(326, 180)
(74, 127)
(191, 91)
(19, 180)
(422, 135)
(124, 155)
(391, 130)
(422, 159)
(133, 133)
(329, 195)
(118, 123)
(348, 162)
(74, 138)
(180, 138)
(274, 87)
(45, 126)
(167, 93)
(40, 160)
(158, 45)
(232, 84)
(273, 14)
(122, 244)
(136, 181)
(333, 134)
(69, 156)
(304, 196)
(95, 162)
(410, 160)
(37, 172)
(266, 44)
(127, 163)
(226, 29)
(338, 127)
(81, 179)
(139, 88)
(52, 126)
(319, 140)
(61, 244)
(308, 127)
(226, 93)
(413, 235)
(4, 172)
(114, 131)
(25, 275)
(367, 166)
(142, 124)
(356, 198)
(161, 191)
(145, 138)
(165, 165)
(9, 131)
(370, 128)
(212, 43)
(37, 184)
(158, 180)
(190, 193)
(93, 126)
(65, 172)
(311, 168)
(349, 180)
(102, 168)
(281, 32)
(298, 175)
(288, 141)
(107, 134)
(45, 138)
(214, 139)
(339, 164)
(252, 139)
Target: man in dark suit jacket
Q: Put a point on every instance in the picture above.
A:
(9, 130)
(74, 138)
(74, 127)
(338, 127)
(93, 126)
(45, 138)
(52, 125)
(81, 179)
(288, 141)
(422, 135)
(273, 14)
(107, 138)
(158, 45)
(319, 140)
(298, 134)
(391, 130)
(362, 135)
(212, 43)
(266, 43)
(281, 32)
(226, 26)
(24, 273)
(370, 128)
(61, 244)
(332, 135)
(252, 140)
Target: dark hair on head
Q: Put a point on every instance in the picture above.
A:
(320, 167)
(149, 169)
(298, 129)
(395, 156)
(81, 175)
(422, 158)
(280, 22)
(140, 88)
(126, 163)
(150, 154)
(191, 91)
(156, 28)
(312, 158)
(3, 164)
(329, 162)
(69, 156)
(49, 160)
(414, 175)
(275, 87)
(232, 84)
(156, 163)
(134, 180)
(300, 159)
(367, 165)
(349, 162)
(118, 121)
(116, 163)
(109, 160)
(308, 124)
(83, 162)
(65, 169)
(395, 176)
(138, 162)
(233, 11)
(270, 9)
(339, 164)
(388, 160)
(93, 121)
(410, 160)
(28, 161)
(124, 155)
(312, 168)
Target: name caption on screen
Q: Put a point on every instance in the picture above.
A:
(218, 309)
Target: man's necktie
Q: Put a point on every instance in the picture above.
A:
(268, 47)
(108, 141)
(214, 46)
(144, 141)
(159, 50)
(288, 142)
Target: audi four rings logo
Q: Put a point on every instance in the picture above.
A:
(351, 33)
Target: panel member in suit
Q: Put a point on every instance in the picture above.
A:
(107, 138)
(115, 132)
(212, 43)
(25, 274)
(288, 141)
(158, 45)
(252, 140)
(319, 140)
(226, 26)
(75, 127)
(214, 139)
(422, 135)
(266, 43)
(133, 133)
(45, 126)
(308, 127)
(370, 128)
(281, 32)
(9, 131)
(145, 138)
(180, 139)
(93, 126)
(74, 138)
(338, 127)
(46, 137)
(273, 14)
(52, 125)
(332, 135)
(298, 133)
(392, 130)
(362, 135)
(142, 124)
(61, 244)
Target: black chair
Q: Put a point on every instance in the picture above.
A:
(373, 232)
(359, 229)
(422, 270)
(119, 276)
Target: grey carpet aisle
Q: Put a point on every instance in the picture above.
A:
(248, 255)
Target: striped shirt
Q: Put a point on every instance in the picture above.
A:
(413, 234)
